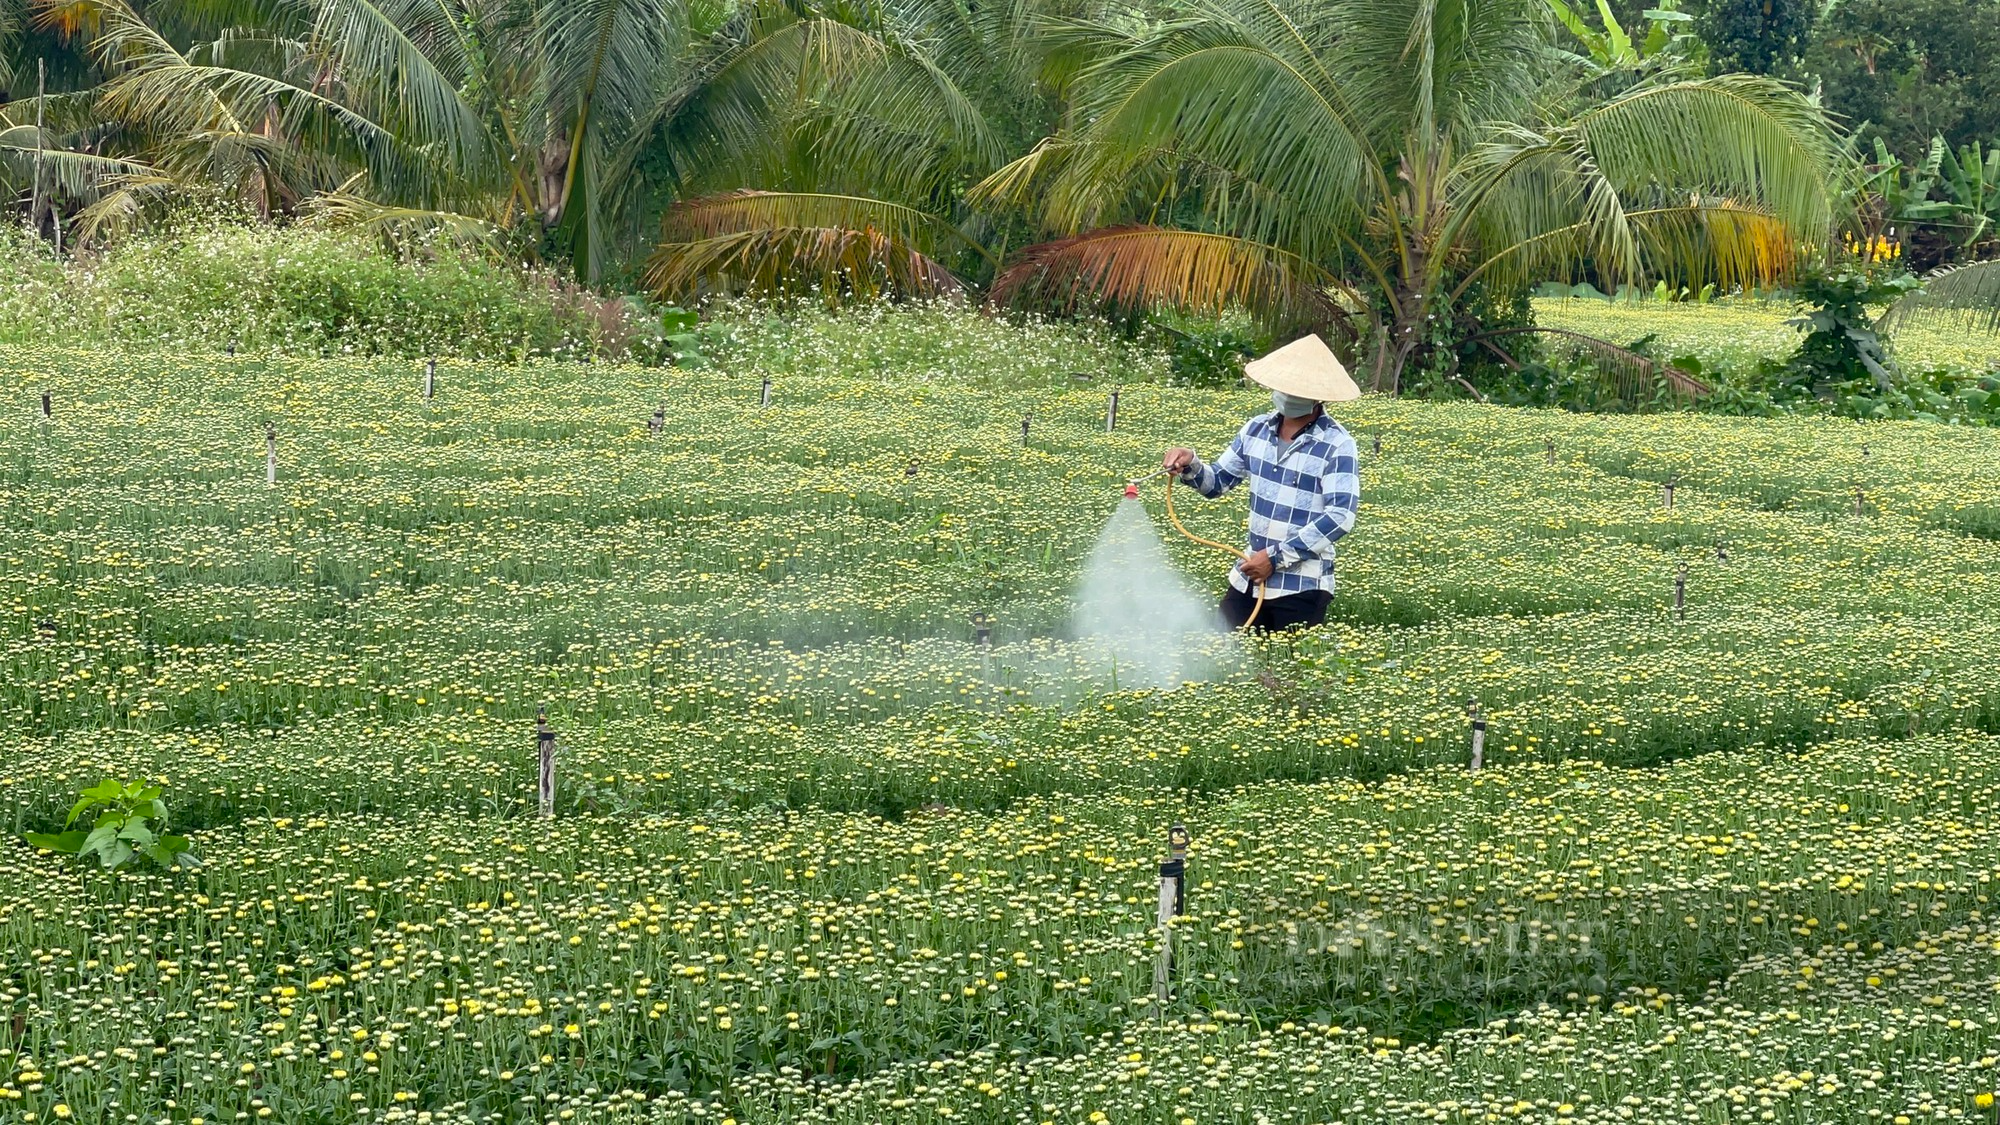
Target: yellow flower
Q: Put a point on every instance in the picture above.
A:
(62, 1110)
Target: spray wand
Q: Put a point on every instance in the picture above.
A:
(1132, 493)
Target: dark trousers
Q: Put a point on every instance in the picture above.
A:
(1284, 611)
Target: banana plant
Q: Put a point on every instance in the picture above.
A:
(1667, 29)
(1972, 179)
(1954, 193)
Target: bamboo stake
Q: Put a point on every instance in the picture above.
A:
(1173, 903)
(545, 752)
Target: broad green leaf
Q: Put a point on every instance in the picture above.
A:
(79, 809)
(1620, 43)
(100, 838)
(66, 842)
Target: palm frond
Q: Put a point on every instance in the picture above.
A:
(749, 209)
(1704, 241)
(1073, 184)
(905, 128)
(863, 264)
(1020, 181)
(1967, 295)
(1721, 241)
(1435, 71)
(1735, 136)
(1133, 268)
(1657, 178)
(404, 62)
(72, 173)
(1632, 377)
(124, 203)
(1240, 97)
(784, 243)
(346, 208)
(730, 114)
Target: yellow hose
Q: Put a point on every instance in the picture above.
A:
(1178, 526)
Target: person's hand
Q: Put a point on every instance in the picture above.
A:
(1257, 567)
(1177, 459)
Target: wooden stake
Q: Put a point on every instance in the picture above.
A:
(658, 421)
(1173, 903)
(1377, 450)
(1478, 735)
(1680, 593)
(545, 752)
(1026, 419)
(1860, 502)
(1111, 412)
(270, 455)
(430, 378)
(767, 390)
(1549, 451)
(48, 407)
(1667, 493)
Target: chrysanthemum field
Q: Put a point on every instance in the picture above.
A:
(818, 855)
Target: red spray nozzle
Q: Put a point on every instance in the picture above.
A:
(1131, 492)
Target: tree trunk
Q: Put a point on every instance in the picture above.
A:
(1404, 339)
(554, 173)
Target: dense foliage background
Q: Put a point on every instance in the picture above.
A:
(1398, 175)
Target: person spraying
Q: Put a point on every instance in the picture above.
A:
(1304, 488)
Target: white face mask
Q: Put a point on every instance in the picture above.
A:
(1291, 406)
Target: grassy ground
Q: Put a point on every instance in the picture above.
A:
(818, 855)
(1736, 334)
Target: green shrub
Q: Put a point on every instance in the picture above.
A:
(207, 283)
(130, 827)
(940, 342)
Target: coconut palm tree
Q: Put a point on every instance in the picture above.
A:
(829, 148)
(1371, 165)
(469, 115)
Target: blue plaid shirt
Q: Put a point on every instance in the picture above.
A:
(1303, 495)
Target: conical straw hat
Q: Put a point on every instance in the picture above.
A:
(1307, 368)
